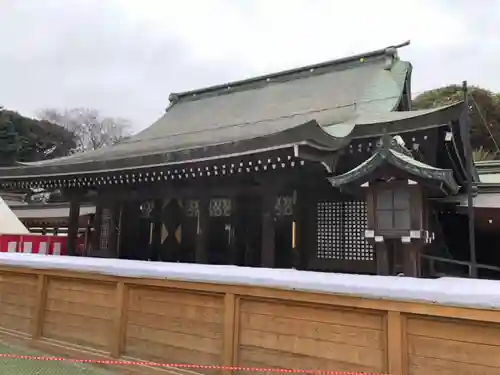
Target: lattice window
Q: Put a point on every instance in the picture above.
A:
(341, 231)
(220, 207)
(356, 247)
(105, 229)
(393, 209)
(329, 233)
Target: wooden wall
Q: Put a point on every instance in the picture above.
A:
(94, 316)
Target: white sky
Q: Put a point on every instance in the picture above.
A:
(124, 57)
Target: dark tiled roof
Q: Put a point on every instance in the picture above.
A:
(270, 111)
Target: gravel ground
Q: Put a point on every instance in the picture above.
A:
(12, 366)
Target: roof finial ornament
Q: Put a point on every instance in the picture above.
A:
(173, 98)
(393, 142)
(391, 54)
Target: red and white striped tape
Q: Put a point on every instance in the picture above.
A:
(183, 365)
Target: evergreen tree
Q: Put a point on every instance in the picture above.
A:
(9, 143)
(484, 111)
(37, 139)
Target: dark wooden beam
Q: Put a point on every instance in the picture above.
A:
(303, 240)
(382, 258)
(411, 259)
(201, 251)
(114, 223)
(227, 186)
(153, 191)
(96, 224)
(268, 229)
(74, 216)
(233, 250)
(157, 227)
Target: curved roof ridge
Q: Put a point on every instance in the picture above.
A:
(390, 51)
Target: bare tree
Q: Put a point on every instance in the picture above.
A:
(91, 130)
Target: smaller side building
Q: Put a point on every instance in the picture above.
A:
(52, 218)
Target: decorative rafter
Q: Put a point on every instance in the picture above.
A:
(223, 168)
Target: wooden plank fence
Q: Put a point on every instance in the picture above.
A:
(88, 315)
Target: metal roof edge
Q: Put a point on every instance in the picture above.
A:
(389, 51)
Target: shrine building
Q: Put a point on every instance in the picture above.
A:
(323, 167)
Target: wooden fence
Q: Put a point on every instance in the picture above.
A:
(88, 315)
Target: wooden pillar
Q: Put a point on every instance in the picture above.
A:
(250, 229)
(233, 246)
(411, 259)
(268, 229)
(39, 307)
(157, 227)
(118, 337)
(74, 216)
(300, 217)
(201, 252)
(96, 224)
(114, 224)
(382, 258)
(230, 333)
(397, 346)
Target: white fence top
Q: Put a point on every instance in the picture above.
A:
(445, 291)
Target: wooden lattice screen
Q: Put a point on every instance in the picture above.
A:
(340, 233)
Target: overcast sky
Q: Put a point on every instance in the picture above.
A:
(124, 57)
